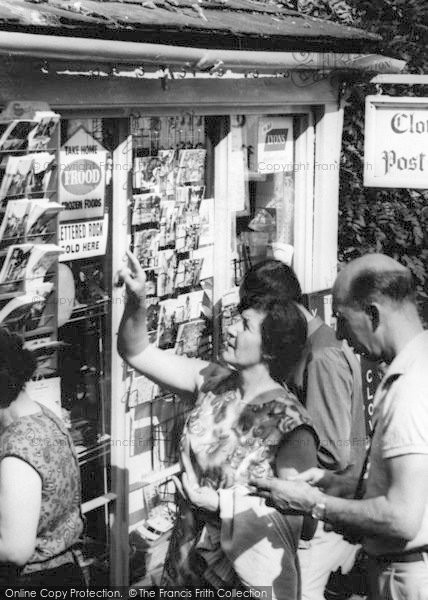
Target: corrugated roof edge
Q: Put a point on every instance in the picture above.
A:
(229, 24)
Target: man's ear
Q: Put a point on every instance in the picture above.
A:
(372, 311)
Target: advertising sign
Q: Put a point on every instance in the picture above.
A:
(275, 145)
(82, 177)
(83, 239)
(396, 142)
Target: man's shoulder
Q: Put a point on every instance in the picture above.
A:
(322, 338)
(326, 351)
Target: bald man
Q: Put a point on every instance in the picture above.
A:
(374, 301)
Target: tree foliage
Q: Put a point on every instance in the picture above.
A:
(393, 221)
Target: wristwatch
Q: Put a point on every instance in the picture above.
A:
(319, 509)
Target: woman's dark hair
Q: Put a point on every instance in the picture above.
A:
(17, 365)
(283, 332)
(272, 277)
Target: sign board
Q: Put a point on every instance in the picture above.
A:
(371, 377)
(396, 142)
(82, 178)
(320, 304)
(83, 239)
(275, 145)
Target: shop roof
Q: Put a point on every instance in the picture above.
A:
(234, 24)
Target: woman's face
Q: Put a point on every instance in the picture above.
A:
(243, 347)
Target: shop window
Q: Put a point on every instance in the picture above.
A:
(262, 168)
(84, 320)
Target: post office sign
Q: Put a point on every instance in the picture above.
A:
(396, 142)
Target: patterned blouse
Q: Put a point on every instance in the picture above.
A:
(42, 441)
(227, 440)
(230, 440)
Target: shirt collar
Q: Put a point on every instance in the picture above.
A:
(314, 324)
(411, 351)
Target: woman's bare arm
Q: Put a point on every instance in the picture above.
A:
(20, 504)
(178, 373)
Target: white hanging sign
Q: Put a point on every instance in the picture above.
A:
(83, 239)
(275, 145)
(82, 177)
(396, 142)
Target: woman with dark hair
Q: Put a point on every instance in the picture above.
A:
(248, 424)
(40, 518)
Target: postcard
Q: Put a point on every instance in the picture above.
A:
(25, 267)
(181, 235)
(188, 272)
(167, 224)
(206, 216)
(24, 175)
(189, 306)
(14, 134)
(18, 177)
(12, 274)
(151, 283)
(152, 313)
(189, 338)
(146, 243)
(41, 214)
(44, 165)
(41, 135)
(167, 272)
(167, 173)
(14, 224)
(41, 259)
(206, 255)
(167, 325)
(146, 173)
(182, 196)
(26, 310)
(146, 209)
(191, 168)
(196, 193)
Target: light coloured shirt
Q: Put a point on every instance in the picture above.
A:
(401, 428)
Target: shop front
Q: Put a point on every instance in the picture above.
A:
(201, 160)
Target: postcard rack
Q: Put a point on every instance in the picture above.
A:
(29, 141)
(171, 216)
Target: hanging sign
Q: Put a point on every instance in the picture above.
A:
(275, 145)
(83, 239)
(396, 142)
(82, 178)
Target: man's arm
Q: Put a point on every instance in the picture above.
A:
(334, 483)
(398, 514)
(328, 396)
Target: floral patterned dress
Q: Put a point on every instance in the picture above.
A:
(247, 543)
(42, 441)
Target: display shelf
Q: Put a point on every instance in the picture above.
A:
(155, 477)
(103, 500)
(89, 311)
(86, 454)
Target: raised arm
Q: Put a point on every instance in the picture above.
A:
(178, 373)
